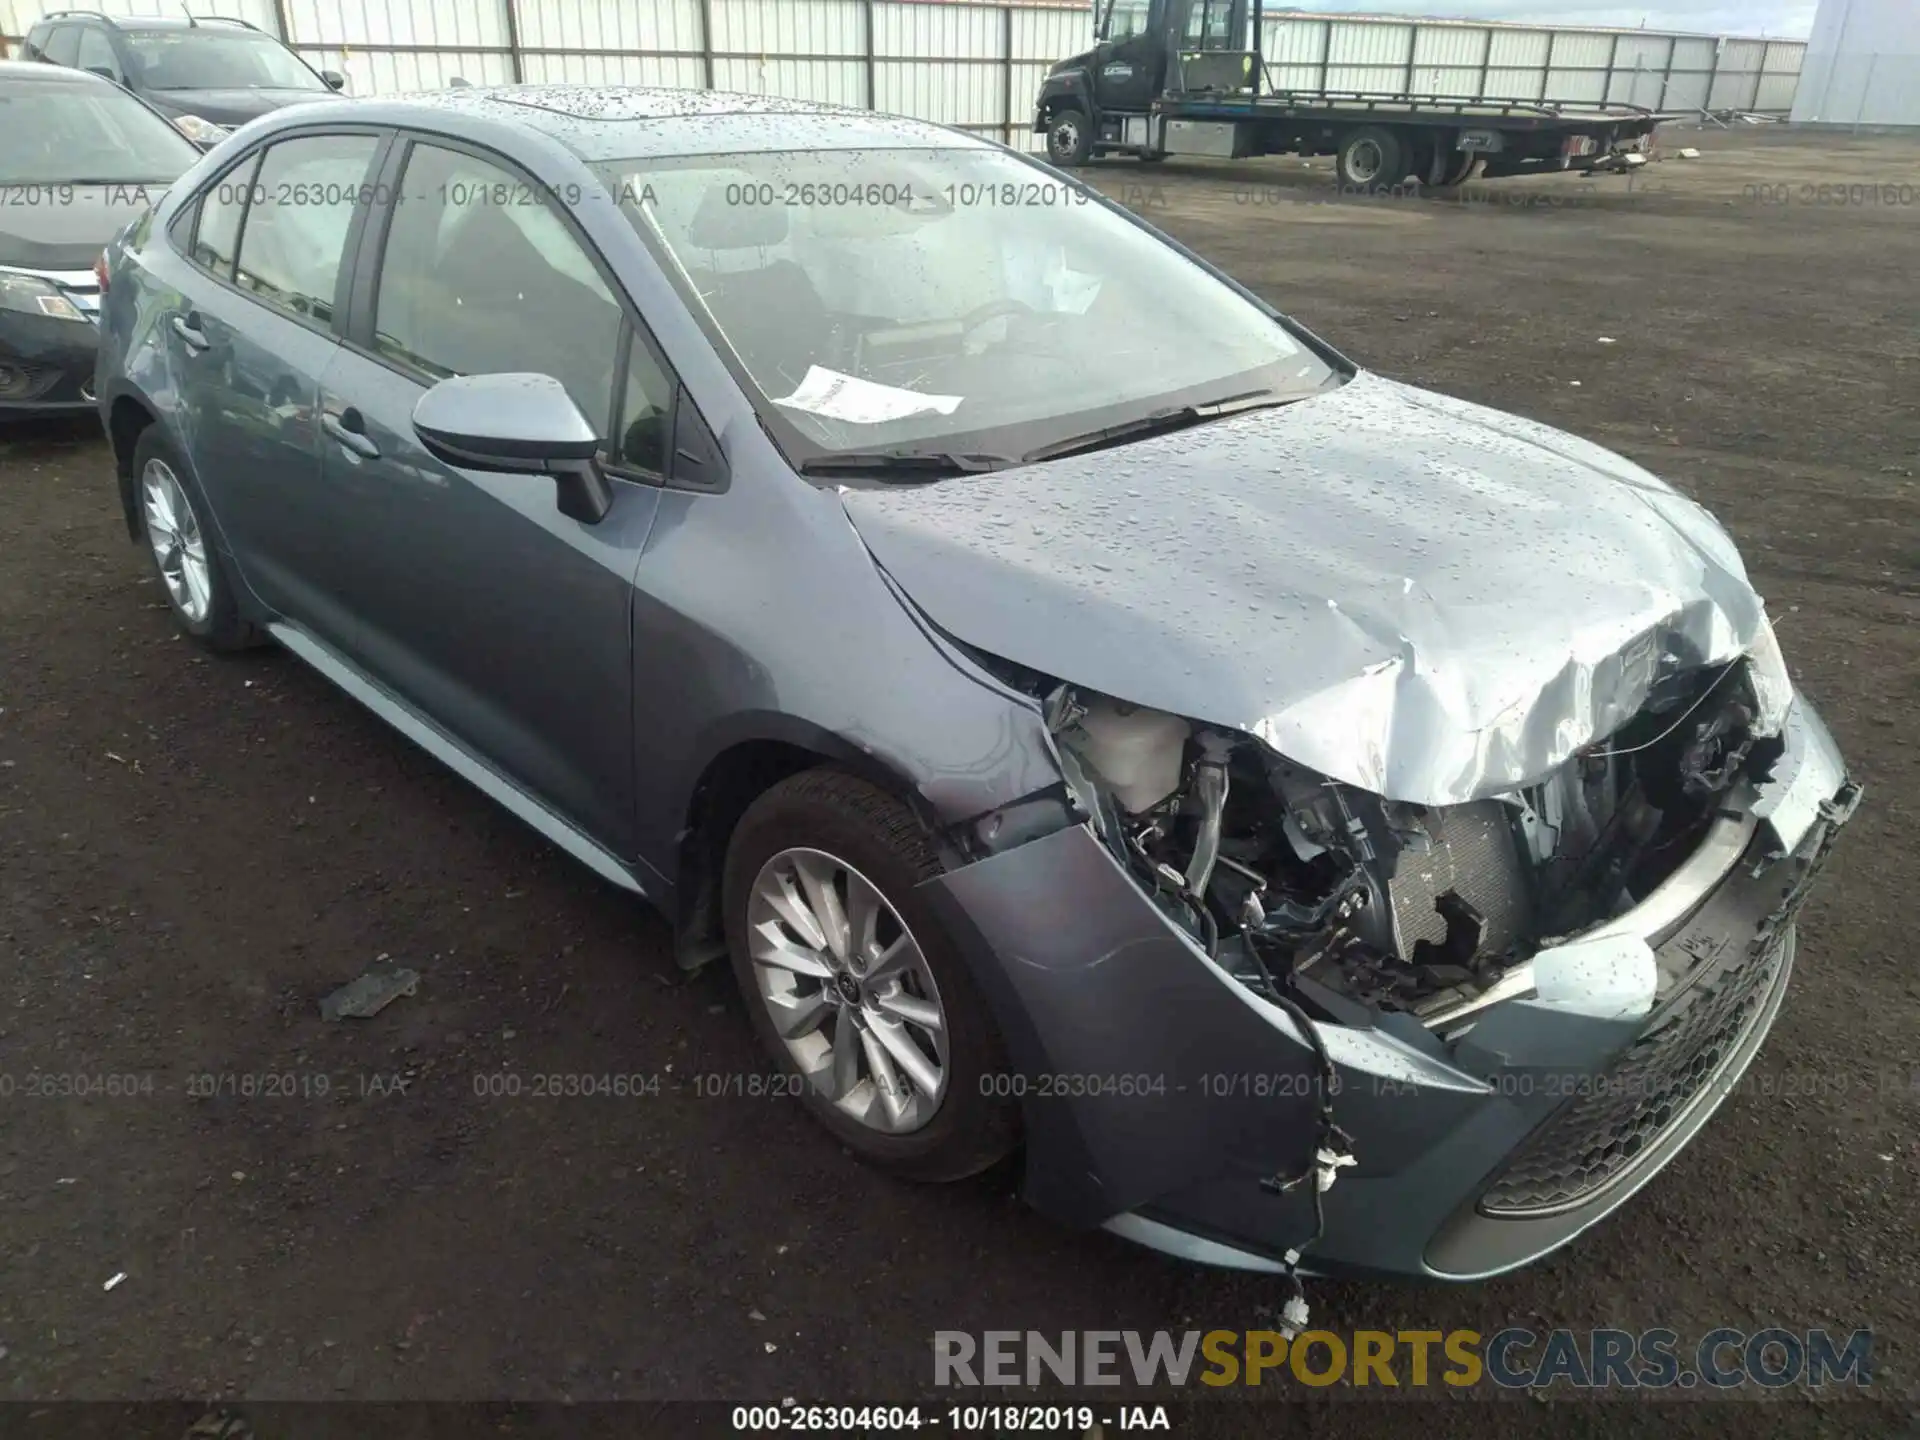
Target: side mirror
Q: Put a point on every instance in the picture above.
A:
(520, 424)
(104, 72)
(334, 79)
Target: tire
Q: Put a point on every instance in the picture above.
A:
(823, 819)
(1370, 158)
(1421, 151)
(1069, 137)
(192, 573)
(1153, 159)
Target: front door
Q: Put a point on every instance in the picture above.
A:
(505, 622)
(1130, 61)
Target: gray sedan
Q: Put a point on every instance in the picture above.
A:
(1319, 824)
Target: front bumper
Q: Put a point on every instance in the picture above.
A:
(46, 364)
(1158, 1093)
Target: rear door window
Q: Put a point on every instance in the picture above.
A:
(223, 206)
(296, 227)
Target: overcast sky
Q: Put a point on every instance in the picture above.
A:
(1785, 18)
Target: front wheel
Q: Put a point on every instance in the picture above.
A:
(1069, 137)
(852, 984)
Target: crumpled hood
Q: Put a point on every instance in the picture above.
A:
(1420, 596)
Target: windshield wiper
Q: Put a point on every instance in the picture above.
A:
(1159, 422)
(906, 465)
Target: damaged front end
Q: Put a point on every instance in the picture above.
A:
(1634, 905)
(1360, 905)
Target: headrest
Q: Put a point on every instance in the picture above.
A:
(723, 224)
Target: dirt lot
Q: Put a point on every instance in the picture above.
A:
(192, 851)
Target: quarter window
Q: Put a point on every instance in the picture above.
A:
(480, 275)
(296, 230)
(221, 210)
(646, 412)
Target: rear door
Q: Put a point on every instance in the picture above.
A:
(251, 343)
(504, 621)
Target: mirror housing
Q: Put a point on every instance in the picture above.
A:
(519, 424)
(333, 79)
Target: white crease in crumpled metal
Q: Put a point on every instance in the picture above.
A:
(1472, 724)
(1410, 593)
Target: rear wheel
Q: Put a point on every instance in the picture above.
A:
(1371, 158)
(852, 985)
(173, 523)
(1069, 137)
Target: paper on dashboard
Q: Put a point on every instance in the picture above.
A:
(834, 396)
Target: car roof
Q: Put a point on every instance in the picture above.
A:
(618, 122)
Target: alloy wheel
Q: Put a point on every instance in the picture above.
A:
(178, 543)
(848, 990)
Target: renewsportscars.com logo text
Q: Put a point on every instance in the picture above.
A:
(1512, 1358)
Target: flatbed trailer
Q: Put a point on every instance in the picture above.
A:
(1173, 77)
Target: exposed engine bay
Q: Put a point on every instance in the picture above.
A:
(1352, 904)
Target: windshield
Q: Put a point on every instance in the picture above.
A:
(206, 59)
(952, 299)
(53, 133)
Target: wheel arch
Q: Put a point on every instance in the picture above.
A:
(743, 762)
(128, 417)
(1068, 90)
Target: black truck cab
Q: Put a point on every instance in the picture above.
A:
(1127, 70)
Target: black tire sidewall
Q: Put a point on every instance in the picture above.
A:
(222, 627)
(970, 1130)
(1082, 152)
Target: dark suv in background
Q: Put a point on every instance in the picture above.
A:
(207, 74)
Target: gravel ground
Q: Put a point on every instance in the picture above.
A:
(192, 851)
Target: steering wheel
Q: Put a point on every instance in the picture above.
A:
(993, 310)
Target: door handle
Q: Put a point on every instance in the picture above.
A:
(350, 430)
(187, 327)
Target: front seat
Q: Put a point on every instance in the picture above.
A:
(770, 312)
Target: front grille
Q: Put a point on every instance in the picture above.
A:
(1597, 1136)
